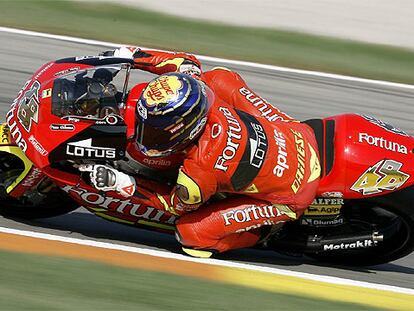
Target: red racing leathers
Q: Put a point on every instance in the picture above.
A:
(266, 160)
(250, 149)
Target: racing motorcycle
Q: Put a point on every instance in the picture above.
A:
(363, 213)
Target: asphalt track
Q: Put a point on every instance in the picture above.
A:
(302, 96)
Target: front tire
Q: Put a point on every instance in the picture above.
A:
(54, 204)
(34, 203)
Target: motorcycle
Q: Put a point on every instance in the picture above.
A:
(363, 213)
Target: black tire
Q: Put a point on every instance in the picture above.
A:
(54, 204)
(32, 205)
(395, 224)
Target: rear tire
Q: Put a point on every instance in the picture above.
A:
(396, 227)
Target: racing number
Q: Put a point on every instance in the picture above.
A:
(384, 175)
(27, 113)
(29, 107)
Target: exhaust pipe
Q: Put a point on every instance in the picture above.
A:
(318, 244)
(343, 242)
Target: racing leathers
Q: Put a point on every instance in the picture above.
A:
(264, 158)
(266, 161)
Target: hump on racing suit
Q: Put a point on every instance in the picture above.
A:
(264, 158)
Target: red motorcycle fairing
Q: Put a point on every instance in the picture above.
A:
(369, 158)
(35, 126)
(29, 121)
(139, 210)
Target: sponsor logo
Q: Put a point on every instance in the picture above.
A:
(125, 207)
(142, 111)
(258, 146)
(110, 120)
(32, 178)
(266, 110)
(357, 244)
(84, 149)
(47, 93)
(233, 140)
(159, 162)
(72, 119)
(382, 143)
(252, 189)
(384, 125)
(301, 154)
(199, 127)
(332, 194)
(38, 147)
(176, 128)
(384, 175)
(14, 128)
(216, 130)
(266, 213)
(321, 222)
(79, 58)
(328, 201)
(42, 71)
(5, 134)
(280, 140)
(323, 210)
(62, 127)
(67, 71)
(162, 90)
(129, 189)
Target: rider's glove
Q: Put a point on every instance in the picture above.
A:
(106, 178)
(123, 52)
(190, 69)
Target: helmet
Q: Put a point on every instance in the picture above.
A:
(85, 95)
(171, 113)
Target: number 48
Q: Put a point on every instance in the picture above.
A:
(384, 175)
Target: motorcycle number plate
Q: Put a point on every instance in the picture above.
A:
(384, 175)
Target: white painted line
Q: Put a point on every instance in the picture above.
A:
(215, 262)
(218, 60)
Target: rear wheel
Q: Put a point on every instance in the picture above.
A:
(367, 232)
(46, 200)
(396, 227)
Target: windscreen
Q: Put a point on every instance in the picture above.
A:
(90, 93)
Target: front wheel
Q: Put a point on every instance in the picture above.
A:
(50, 205)
(46, 200)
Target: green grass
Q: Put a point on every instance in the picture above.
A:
(131, 26)
(33, 282)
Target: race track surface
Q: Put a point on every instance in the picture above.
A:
(302, 96)
(367, 21)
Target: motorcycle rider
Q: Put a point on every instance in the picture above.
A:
(228, 140)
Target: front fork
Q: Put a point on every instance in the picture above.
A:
(27, 175)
